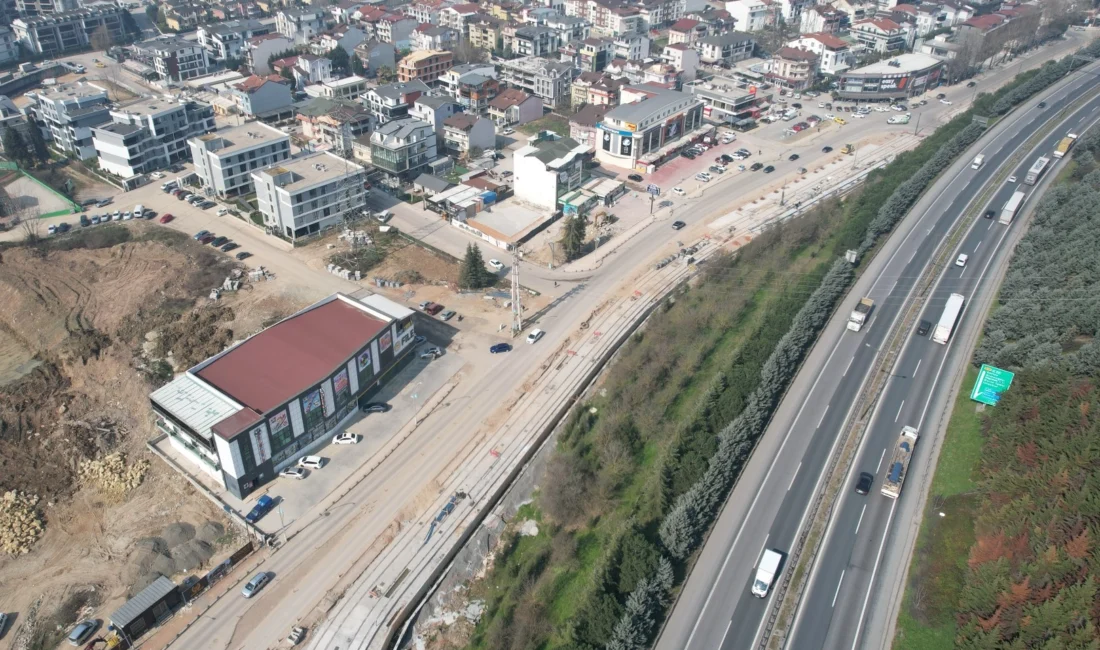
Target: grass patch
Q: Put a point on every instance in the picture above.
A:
(962, 447)
(549, 122)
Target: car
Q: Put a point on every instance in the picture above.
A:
(702, 177)
(127, 216)
(922, 329)
(792, 157)
(725, 158)
(434, 309)
(149, 214)
(63, 227)
(716, 169)
(85, 221)
(256, 584)
(769, 169)
(821, 104)
(165, 218)
(637, 178)
(508, 131)
(243, 255)
(293, 472)
(664, 204)
(826, 149)
(1012, 179)
(1042, 104)
(757, 167)
(859, 116)
(225, 248)
(311, 462)
(95, 220)
(945, 101)
(3, 624)
(345, 438)
(82, 631)
(51, 230)
(206, 205)
(182, 194)
(100, 64)
(941, 96)
(924, 102)
(841, 121)
(103, 202)
(375, 407)
(688, 155)
(678, 191)
(496, 264)
(989, 214)
(971, 84)
(961, 260)
(677, 225)
(447, 315)
(431, 353)
(222, 212)
(206, 239)
(297, 634)
(535, 335)
(218, 241)
(500, 348)
(263, 506)
(157, 175)
(866, 480)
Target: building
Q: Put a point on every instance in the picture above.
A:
(590, 54)
(513, 107)
(229, 39)
(347, 88)
(176, 59)
(375, 54)
(981, 37)
(55, 34)
(728, 48)
(150, 134)
(12, 118)
(649, 131)
(485, 33)
(43, 7)
(793, 68)
(681, 57)
(725, 100)
(426, 66)
(435, 110)
(393, 101)
(300, 25)
(456, 16)
(749, 15)
(834, 55)
(532, 40)
(346, 36)
(333, 123)
(569, 29)
(596, 88)
(473, 91)
(464, 132)
(647, 72)
(181, 16)
(304, 196)
(790, 11)
(265, 98)
(543, 78)
(883, 35)
(243, 415)
(906, 75)
(687, 31)
(148, 608)
(425, 11)
(310, 69)
(434, 37)
(823, 19)
(258, 49)
(923, 19)
(547, 169)
(225, 160)
(582, 126)
(9, 46)
(396, 29)
(401, 150)
(67, 114)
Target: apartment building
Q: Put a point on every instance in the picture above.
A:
(304, 196)
(258, 49)
(749, 15)
(42, 7)
(681, 57)
(728, 48)
(402, 149)
(425, 12)
(229, 39)
(457, 16)
(9, 47)
(569, 29)
(300, 25)
(176, 59)
(596, 88)
(55, 34)
(68, 114)
(464, 132)
(485, 32)
(426, 66)
(834, 55)
(823, 19)
(548, 80)
(793, 68)
(532, 40)
(687, 31)
(434, 37)
(225, 160)
(334, 122)
(583, 124)
(589, 55)
(266, 98)
(393, 101)
(312, 69)
(471, 88)
(435, 110)
(346, 36)
(610, 18)
(396, 29)
(150, 134)
(883, 35)
(351, 87)
(375, 54)
(513, 107)
(549, 168)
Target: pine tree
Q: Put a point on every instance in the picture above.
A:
(38, 144)
(572, 237)
(16, 148)
(473, 274)
(339, 58)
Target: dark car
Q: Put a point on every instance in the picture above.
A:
(230, 246)
(757, 167)
(637, 178)
(499, 348)
(989, 214)
(206, 239)
(866, 480)
(218, 241)
(664, 204)
(375, 407)
(433, 308)
(726, 158)
(200, 234)
(826, 149)
(676, 225)
(769, 169)
(243, 255)
(923, 328)
(793, 156)
(796, 105)
(150, 214)
(941, 96)
(971, 84)
(183, 195)
(262, 507)
(689, 155)
(1042, 104)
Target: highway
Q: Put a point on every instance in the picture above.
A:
(718, 611)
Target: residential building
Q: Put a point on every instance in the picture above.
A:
(13, 118)
(596, 88)
(513, 107)
(728, 48)
(474, 91)
(225, 160)
(485, 32)
(305, 196)
(346, 36)
(230, 39)
(368, 17)
(682, 57)
(583, 124)
(825, 19)
(955, 13)
(647, 72)
(749, 15)
(300, 25)
(725, 100)
(68, 113)
(402, 149)
(176, 59)
(649, 131)
(434, 37)
(688, 31)
(899, 78)
(311, 69)
(426, 66)
(543, 78)
(449, 80)
(632, 47)
(44, 7)
(569, 29)
(265, 98)
(790, 11)
(56, 34)
(547, 169)
(393, 101)
(834, 55)
(532, 40)
(610, 18)
(464, 132)
(883, 35)
(986, 35)
(347, 88)
(792, 68)
(425, 11)
(456, 16)
(150, 134)
(856, 10)
(396, 29)
(435, 110)
(183, 15)
(9, 48)
(334, 122)
(375, 54)
(590, 55)
(259, 49)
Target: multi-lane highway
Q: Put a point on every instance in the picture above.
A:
(716, 609)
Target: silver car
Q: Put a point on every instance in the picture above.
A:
(256, 584)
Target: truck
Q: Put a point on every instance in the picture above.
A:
(847, 149)
(948, 319)
(899, 463)
(1011, 207)
(860, 314)
(766, 571)
(898, 119)
(1036, 170)
(979, 160)
(1064, 145)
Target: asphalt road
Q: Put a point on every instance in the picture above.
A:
(728, 616)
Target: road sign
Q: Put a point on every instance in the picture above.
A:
(653, 189)
(991, 383)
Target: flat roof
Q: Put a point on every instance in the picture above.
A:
(346, 81)
(912, 62)
(69, 91)
(271, 367)
(195, 403)
(310, 170)
(149, 106)
(243, 136)
(508, 221)
(638, 112)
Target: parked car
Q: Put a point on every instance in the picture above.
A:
(263, 506)
(447, 315)
(971, 84)
(688, 155)
(678, 191)
(256, 584)
(293, 472)
(200, 234)
(434, 308)
(676, 225)
(757, 167)
(637, 178)
(664, 204)
(82, 631)
(496, 264)
(535, 335)
(3, 624)
(345, 438)
(206, 239)
(95, 220)
(165, 218)
(225, 248)
(243, 255)
(500, 348)
(866, 480)
(375, 407)
(941, 96)
(431, 353)
(792, 157)
(218, 241)
(311, 462)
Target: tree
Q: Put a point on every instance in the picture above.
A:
(285, 73)
(357, 66)
(101, 39)
(572, 237)
(465, 52)
(473, 274)
(16, 148)
(339, 58)
(38, 144)
(385, 74)
(151, 12)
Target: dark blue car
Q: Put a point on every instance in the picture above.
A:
(262, 507)
(500, 347)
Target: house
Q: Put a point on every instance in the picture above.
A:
(182, 16)
(568, 28)
(749, 15)
(351, 87)
(67, 114)
(401, 150)
(790, 11)
(683, 58)
(583, 124)
(435, 110)
(924, 19)
(429, 185)
(472, 90)
(883, 35)
(333, 122)
(463, 133)
(225, 160)
(425, 11)
(342, 9)
(150, 134)
(532, 40)
(457, 16)
(541, 77)
(485, 32)
(687, 30)
(312, 69)
(823, 19)
(58, 33)
(375, 54)
(300, 25)
(547, 169)
(596, 88)
(259, 49)
(346, 36)
(304, 196)
(396, 29)
(229, 39)
(513, 107)
(834, 55)
(728, 48)
(434, 37)
(793, 68)
(265, 98)
(426, 66)
(176, 59)
(393, 101)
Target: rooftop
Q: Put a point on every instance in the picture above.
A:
(420, 55)
(400, 129)
(462, 121)
(554, 153)
(120, 129)
(828, 40)
(590, 115)
(885, 24)
(245, 136)
(149, 106)
(908, 63)
(195, 403)
(346, 81)
(70, 92)
(396, 91)
(535, 64)
(508, 98)
(795, 54)
(141, 603)
(988, 21)
(637, 112)
(729, 38)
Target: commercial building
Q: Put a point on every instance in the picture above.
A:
(228, 39)
(728, 48)
(648, 132)
(464, 132)
(68, 113)
(401, 150)
(393, 101)
(243, 415)
(150, 134)
(548, 80)
(55, 34)
(903, 76)
(548, 168)
(725, 100)
(177, 59)
(426, 66)
(513, 107)
(582, 125)
(225, 160)
(301, 197)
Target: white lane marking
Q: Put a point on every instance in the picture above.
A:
(991, 222)
(899, 410)
(794, 477)
(726, 632)
(915, 251)
(978, 244)
(861, 513)
(838, 587)
(848, 366)
(917, 368)
(879, 466)
(761, 553)
(892, 287)
(867, 598)
(822, 416)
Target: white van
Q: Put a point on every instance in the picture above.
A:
(979, 160)
(139, 211)
(766, 571)
(384, 216)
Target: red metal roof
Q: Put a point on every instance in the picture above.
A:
(289, 357)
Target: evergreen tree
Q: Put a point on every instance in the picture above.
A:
(357, 66)
(339, 58)
(16, 148)
(473, 274)
(38, 144)
(572, 237)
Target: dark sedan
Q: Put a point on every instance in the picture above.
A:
(769, 169)
(637, 178)
(866, 480)
(793, 157)
(499, 348)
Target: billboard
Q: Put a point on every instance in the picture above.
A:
(991, 383)
(385, 341)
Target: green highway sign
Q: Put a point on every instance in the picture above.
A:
(991, 383)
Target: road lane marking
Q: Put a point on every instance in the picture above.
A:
(821, 420)
(870, 590)
(860, 522)
(913, 255)
(991, 222)
(761, 553)
(838, 587)
(978, 244)
(848, 366)
(917, 368)
(879, 466)
(900, 407)
(792, 480)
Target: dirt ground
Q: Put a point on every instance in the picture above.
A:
(75, 373)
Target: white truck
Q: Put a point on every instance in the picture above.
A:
(979, 160)
(860, 314)
(898, 119)
(899, 463)
(766, 571)
(948, 319)
(1012, 206)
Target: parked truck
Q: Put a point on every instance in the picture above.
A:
(766, 571)
(1064, 145)
(899, 463)
(860, 314)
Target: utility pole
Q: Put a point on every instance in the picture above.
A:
(517, 307)
(916, 127)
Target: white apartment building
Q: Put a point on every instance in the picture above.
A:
(751, 15)
(228, 39)
(300, 25)
(833, 54)
(303, 196)
(69, 113)
(883, 35)
(226, 159)
(543, 78)
(347, 88)
(58, 33)
(402, 149)
(150, 134)
(175, 59)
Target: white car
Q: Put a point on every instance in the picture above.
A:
(496, 264)
(859, 116)
(535, 335)
(126, 216)
(962, 259)
(256, 584)
(293, 472)
(703, 176)
(830, 116)
(223, 211)
(945, 101)
(508, 131)
(821, 104)
(1011, 179)
(157, 175)
(312, 462)
(345, 438)
(678, 191)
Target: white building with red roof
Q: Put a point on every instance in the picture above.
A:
(834, 55)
